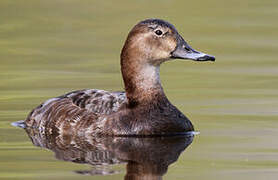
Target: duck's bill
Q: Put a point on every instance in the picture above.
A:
(184, 51)
(196, 56)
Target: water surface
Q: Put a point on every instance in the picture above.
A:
(49, 48)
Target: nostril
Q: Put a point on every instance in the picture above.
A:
(186, 48)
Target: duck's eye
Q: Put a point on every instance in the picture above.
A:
(158, 32)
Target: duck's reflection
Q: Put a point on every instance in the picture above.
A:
(146, 158)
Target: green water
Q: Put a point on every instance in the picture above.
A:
(48, 48)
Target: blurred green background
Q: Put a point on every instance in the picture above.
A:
(48, 48)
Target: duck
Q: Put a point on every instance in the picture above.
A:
(142, 109)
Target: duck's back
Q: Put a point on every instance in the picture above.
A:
(97, 101)
(75, 109)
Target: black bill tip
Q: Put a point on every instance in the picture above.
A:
(206, 58)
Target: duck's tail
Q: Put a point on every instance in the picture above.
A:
(20, 124)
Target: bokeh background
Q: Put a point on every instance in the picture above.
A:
(48, 48)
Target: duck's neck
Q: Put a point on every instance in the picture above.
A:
(142, 80)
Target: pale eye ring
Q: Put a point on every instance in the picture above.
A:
(158, 32)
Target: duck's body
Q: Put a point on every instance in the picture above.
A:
(102, 112)
(143, 109)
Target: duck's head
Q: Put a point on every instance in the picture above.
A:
(155, 41)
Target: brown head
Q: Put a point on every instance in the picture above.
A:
(150, 43)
